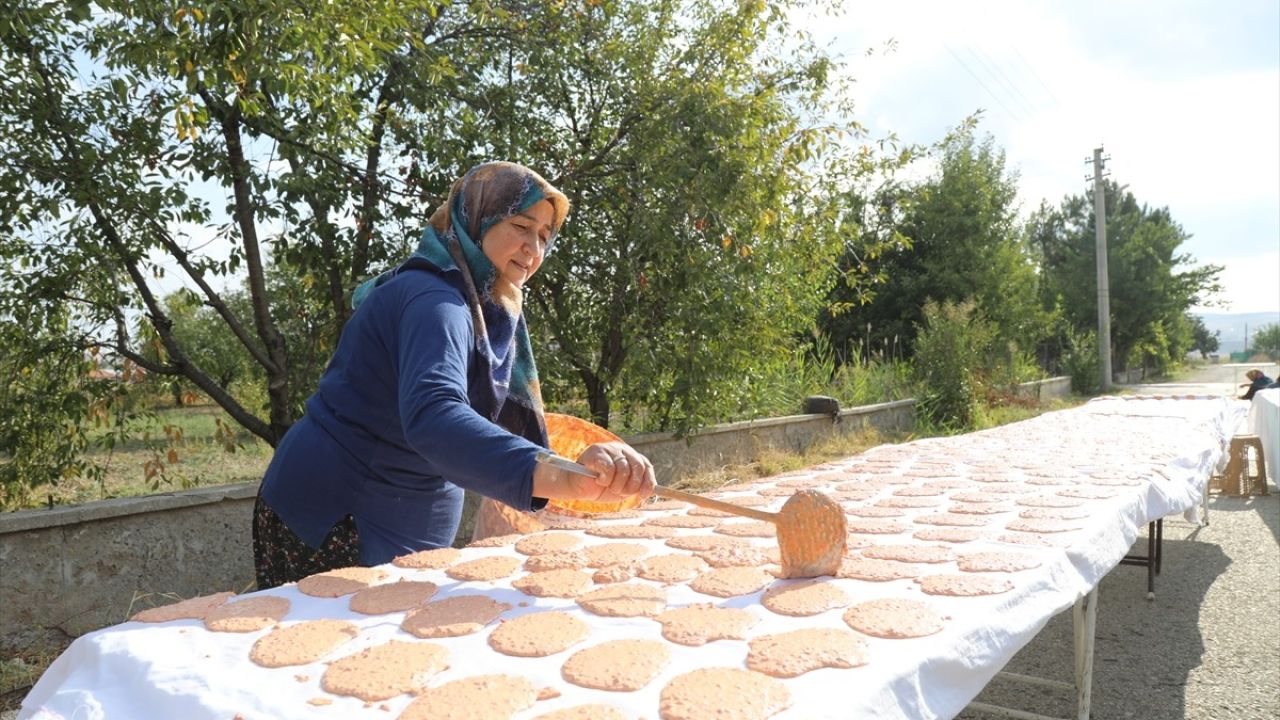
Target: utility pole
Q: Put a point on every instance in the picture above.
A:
(1104, 287)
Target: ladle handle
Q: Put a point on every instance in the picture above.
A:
(666, 492)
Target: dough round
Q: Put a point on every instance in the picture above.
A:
(564, 583)
(894, 618)
(584, 712)
(684, 521)
(875, 526)
(436, 559)
(547, 542)
(947, 534)
(385, 671)
(556, 560)
(910, 553)
(617, 665)
(248, 615)
(952, 520)
(730, 581)
(480, 697)
(729, 693)
(964, 585)
(876, 570)
(190, 609)
(303, 643)
(699, 543)
(637, 532)
(794, 653)
(748, 529)
(997, 561)
(453, 616)
(538, 634)
(613, 553)
(343, 581)
(392, 597)
(700, 624)
(485, 569)
(671, 568)
(1044, 525)
(625, 600)
(801, 599)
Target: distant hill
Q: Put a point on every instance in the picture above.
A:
(1232, 327)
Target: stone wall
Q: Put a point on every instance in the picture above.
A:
(69, 570)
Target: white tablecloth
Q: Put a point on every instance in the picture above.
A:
(1164, 447)
(1264, 421)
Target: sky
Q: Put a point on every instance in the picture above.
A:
(1183, 96)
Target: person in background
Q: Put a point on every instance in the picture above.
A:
(432, 390)
(1257, 381)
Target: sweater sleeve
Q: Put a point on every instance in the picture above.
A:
(434, 355)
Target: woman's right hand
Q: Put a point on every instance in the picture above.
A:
(621, 473)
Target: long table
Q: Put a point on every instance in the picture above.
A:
(1124, 462)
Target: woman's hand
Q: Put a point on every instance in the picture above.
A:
(623, 472)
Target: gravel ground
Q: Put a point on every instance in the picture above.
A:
(1206, 648)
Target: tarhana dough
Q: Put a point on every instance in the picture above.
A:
(437, 559)
(480, 697)
(385, 671)
(303, 643)
(392, 597)
(625, 600)
(538, 634)
(731, 581)
(343, 581)
(617, 665)
(248, 615)
(894, 618)
(190, 609)
(794, 653)
(485, 569)
(700, 624)
(722, 693)
(801, 599)
(453, 616)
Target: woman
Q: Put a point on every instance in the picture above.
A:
(432, 389)
(1257, 381)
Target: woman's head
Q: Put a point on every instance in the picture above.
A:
(1253, 374)
(511, 212)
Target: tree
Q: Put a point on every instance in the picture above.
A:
(333, 130)
(1202, 340)
(1267, 341)
(961, 241)
(1152, 284)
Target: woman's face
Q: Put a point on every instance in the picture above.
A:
(516, 245)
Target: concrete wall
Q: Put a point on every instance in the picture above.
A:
(1054, 387)
(69, 570)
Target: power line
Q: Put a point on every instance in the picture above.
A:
(1008, 83)
(974, 75)
(1036, 75)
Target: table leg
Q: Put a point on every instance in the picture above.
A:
(1085, 621)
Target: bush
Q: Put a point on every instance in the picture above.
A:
(1081, 362)
(950, 355)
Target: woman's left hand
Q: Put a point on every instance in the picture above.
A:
(623, 472)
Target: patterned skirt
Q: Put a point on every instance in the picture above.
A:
(280, 556)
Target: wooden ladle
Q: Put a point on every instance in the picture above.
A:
(812, 531)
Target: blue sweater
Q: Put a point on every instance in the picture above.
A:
(398, 427)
